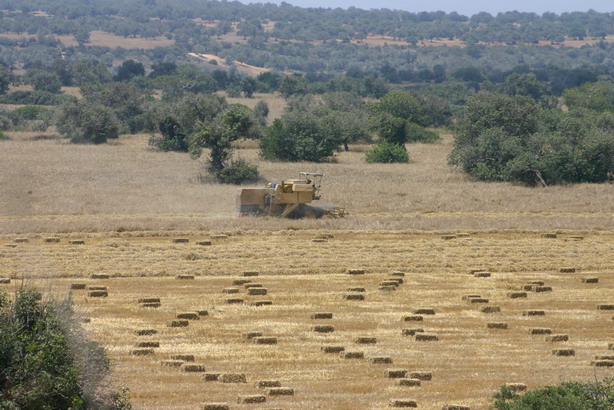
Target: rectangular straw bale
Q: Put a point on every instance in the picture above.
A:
(607, 357)
(151, 305)
(533, 313)
(472, 296)
(389, 283)
(605, 307)
(516, 295)
(478, 300)
(188, 315)
(251, 273)
(178, 323)
(322, 329)
(97, 288)
(354, 297)
(262, 303)
(252, 285)
(365, 340)
(21, 240)
(193, 368)
(251, 335)
(332, 349)
(411, 332)
(184, 277)
(214, 406)
(76, 242)
(399, 281)
(567, 270)
(264, 340)
(423, 337)
(590, 280)
(280, 391)
(403, 403)
(141, 352)
(412, 318)
(490, 309)
(233, 378)
(257, 291)
(265, 384)
(557, 338)
(602, 363)
(230, 290)
(211, 377)
(397, 273)
(146, 332)
(148, 344)
(100, 276)
(380, 360)
(408, 382)
(171, 363)
(52, 239)
(540, 331)
(563, 352)
(357, 290)
(202, 312)
(540, 289)
(183, 357)
(203, 243)
(181, 240)
(352, 355)
(98, 294)
(234, 301)
(356, 271)
(148, 300)
(421, 375)
(76, 286)
(497, 325)
(395, 373)
(424, 311)
(241, 282)
(482, 274)
(251, 399)
(455, 407)
(387, 288)
(322, 315)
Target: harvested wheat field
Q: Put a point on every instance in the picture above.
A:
(188, 323)
(435, 290)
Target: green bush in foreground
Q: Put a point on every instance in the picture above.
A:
(45, 361)
(238, 172)
(387, 152)
(567, 396)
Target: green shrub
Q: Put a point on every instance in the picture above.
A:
(173, 138)
(417, 133)
(567, 396)
(46, 362)
(387, 152)
(238, 172)
(3, 136)
(87, 122)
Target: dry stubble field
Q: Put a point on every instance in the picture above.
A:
(127, 204)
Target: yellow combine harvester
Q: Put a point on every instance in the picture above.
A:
(287, 199)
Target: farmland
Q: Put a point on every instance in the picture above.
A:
(111, 216)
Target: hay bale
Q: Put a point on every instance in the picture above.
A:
(202, 312)
(540, 289)
(319, 240)
(564, 352)
(203, 243)
(423, 337)
(183, 357)
(380, 360)
(358, 290)
(181, 240)
(395, 373)
(482, 274)
(536, 282)
(146, 332)
(264, 340)
(193, 368)
(281, 391)
(424, 311)
(516, 295)
(496, 325)
(567, 270)
(397, 273)
(399, 281)
(455, 407)
(148, 300)
(474, 270)
(352, 355)
(188, 315)
(332, 349)
(171, 363)
(21, 240)
(265, 384)
(142, 352)
(214, 406)
(478, 300)
(605, 307)
(178, 323)
(448, 237)
(77, 242)
(412, 318)
(517, 387)
(184, 277)
(234, 301)
(387, 288)
(86, 320)
(389, 283)
(533, 313)
(219, 236)
(590, 280)
(408, 382)
(602, 363)
(252, 285)
(322, 329)
(251, 399)
(233, 378)
(211, 377)
(97, 288)
(10, 245)
(322, 315)
(356, 271)
(251, 335)
(540, 331)
(557, 338)
(365, 340)
(403, 403)
(607, 357)
(241, 282)
(100, 276)
(574, 238)
(490, 309)
(148, 344)
(472, 296)
(230, 290)
(257, 291)
(251, 273)
(421, 375)
(354, 297)
(262, 303)
(52, 239)
(98, 294)
(549, 235)
(5, 281)
(151, 305)
(411, 332)
(77, 286)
